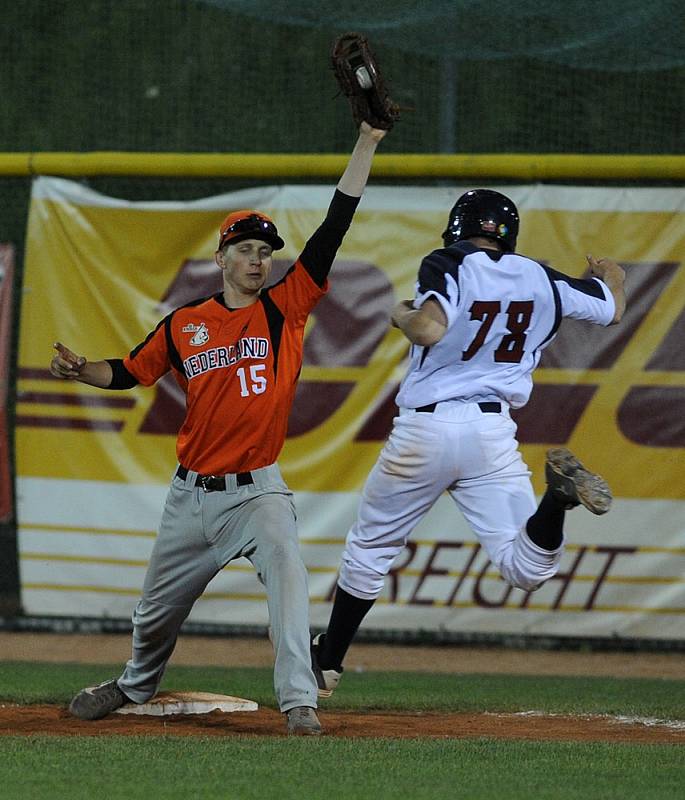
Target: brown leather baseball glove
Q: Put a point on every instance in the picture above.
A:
(356, 70)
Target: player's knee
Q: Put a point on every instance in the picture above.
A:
(360, 579)
(526, 582)
(280, 558)
(154, 621)
(524, 565)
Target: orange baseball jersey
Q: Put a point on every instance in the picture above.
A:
(239, 367)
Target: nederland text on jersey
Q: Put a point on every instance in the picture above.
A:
(221, 357)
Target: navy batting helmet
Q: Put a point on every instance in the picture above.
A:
(483, 212)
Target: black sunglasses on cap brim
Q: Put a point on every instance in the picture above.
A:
(252, 227)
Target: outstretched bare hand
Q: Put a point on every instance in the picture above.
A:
(66, 364)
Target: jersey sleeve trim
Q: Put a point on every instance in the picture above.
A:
(140, 346)
(121, 377)
(583, 298)
(609, 297)
(589, 286)
(439, 278)
(172, 351)
(174, 355)
(275, 320)
(557, 305)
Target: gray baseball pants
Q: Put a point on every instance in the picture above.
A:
(200, 532)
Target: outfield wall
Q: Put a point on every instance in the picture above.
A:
(93, 466)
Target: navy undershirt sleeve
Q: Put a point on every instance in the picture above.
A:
(121, 377)
(319, 252)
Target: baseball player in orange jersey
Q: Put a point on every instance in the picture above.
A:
(478, 323)
(237, 356)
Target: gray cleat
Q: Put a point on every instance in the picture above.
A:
(96, 702)
(568, 479)
(302, 721)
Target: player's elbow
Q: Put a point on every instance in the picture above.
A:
(426, 338)
(425, 331)
(618, 313)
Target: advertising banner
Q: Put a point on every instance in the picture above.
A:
(94, 465)
(6, 318)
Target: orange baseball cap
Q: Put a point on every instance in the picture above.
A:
(249, 224)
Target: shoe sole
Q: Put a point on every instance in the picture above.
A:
(85, 706)
(321, 691)
(303, 732)
(88, 716)
(571, 476)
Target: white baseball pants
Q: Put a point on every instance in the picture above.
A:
(474, 456)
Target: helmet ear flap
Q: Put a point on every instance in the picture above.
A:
(485, 213)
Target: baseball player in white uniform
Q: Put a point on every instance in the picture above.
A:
(481, 316)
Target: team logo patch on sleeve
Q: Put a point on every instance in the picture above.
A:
(200, 334)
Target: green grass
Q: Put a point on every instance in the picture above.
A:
(50, 683)
(241, 767)
(70, 768)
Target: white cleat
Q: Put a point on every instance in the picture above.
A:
(327, 680)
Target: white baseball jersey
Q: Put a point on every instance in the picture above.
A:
(502, 310)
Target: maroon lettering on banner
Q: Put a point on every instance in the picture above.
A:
(69, 423)
(564, 577)
(36, 374)
(663, 426)
(430, 570)
(579, 345)
(539, 421)
(68, 399)
(670, 355)
(612, 555)
(167, 411)
(351, 321)
(464, 573)
(400, 564)
(195, 278)
(379, 423)
(480, 599)
(321, 397)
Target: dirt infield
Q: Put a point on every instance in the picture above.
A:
(240, 652)
(55, 720)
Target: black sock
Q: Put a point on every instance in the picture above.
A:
(546, 527)
(346, 617)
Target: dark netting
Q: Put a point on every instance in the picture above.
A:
(227, 75)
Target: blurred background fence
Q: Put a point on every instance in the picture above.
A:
(208, 76)
(232, 76)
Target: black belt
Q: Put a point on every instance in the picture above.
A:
(486, 408)
(216, 483)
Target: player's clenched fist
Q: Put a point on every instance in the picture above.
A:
(66, 364)
(600, 266)
(614, 276)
